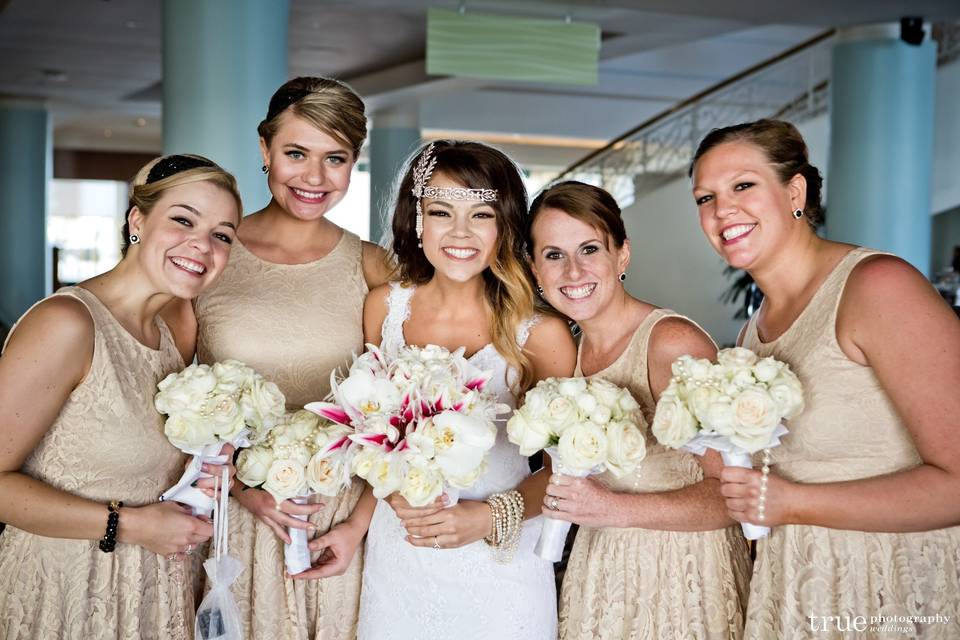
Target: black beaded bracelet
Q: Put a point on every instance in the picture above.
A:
(109, 541)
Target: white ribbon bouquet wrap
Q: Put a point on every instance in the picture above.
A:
(301, 456)
(587, 426)
(423, 422)
(218, 617)
(735, 406)
(208, 407)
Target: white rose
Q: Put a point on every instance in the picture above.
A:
(766, 369)
(788, 396)
(626, 447)
(295, 428)
(743, 378)
(325, 474)
(755, 417)
(571, 387)
(296, 452)
(185, 391)
(468, 480)
(363, 461)
(535, 401)
(262, 403)
(673, 425)
(700, 369)
(253, 465)
(422, 485)
(719, 416)
(628, 404)
(187, 430)
(698, 400)
(561, 413)
(586, 403)
(232, 376)
(736, 357)
(582, 447)
(605, 393)
(600, 415)
(225, 416)
(530, 435)
(285, 479)
(384, 474)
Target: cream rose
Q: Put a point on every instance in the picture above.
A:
(561, 413)
(755, 416)
(224, 412)
(582, 447)
(187, 430)
(605, 393)
(232, 376)
(325, 475)
(586, 403)
(285, 479)
(736, 357)
(262, 403)
(767, 369)
(363, 462)
(186, 390)
(788, 396)
(253, 465)
(601, 414)
(384, 475)
(719, 417)
(626, 447)
(421, 485)
(673, 426)
(571, 387)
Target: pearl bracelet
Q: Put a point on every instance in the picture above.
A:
(762, 502)
(506, 512)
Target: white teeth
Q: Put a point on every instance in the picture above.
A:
(736, 231)
(189, 265)
(461, 254)
(576, 293)
(310, 195)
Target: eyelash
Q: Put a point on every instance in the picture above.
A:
(740, 186)
(222, 237)
(590, 249)
(440, 213)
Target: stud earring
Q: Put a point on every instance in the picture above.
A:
(265, 169)
(797, 214)
(134, 238)
(622, 276)
(539, 290)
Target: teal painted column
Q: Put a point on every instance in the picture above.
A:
(394, 136)
(222, 60)
(881, 142)
(25, 169)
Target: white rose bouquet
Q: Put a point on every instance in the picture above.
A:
(736, 406)
(300, 456)
(587, 426)
(208, 407)
(422, 420)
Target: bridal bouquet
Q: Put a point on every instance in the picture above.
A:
(208, 407)
(422, 421)
(300, 456)
(587, 426)
(735, 406)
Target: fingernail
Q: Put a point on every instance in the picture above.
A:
(193, 484)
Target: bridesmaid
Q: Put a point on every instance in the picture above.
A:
(656, 556)
(290, 305)
(864, 492)
(88, 551)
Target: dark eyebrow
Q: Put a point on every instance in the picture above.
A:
(225, 223)
(585, 242)
(473, 206)
(300, 147)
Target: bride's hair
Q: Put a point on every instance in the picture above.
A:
(508, 293)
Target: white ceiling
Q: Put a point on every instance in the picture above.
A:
(96, 63)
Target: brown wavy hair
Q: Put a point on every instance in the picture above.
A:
(507, 291)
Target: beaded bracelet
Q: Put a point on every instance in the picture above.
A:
(109, 541)
(506, 512)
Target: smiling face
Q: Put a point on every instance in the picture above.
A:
(186, 238)
(745, 209)
(577, 266)
(459, 236)
(309, 169)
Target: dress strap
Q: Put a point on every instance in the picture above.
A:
(398, 312)
(523, 331)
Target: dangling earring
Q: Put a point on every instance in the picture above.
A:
(539, 290)
(134, 238)
(622, 276)
(419, 225)
(265, 169)
(797, 214)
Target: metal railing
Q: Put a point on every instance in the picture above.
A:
(793, 86)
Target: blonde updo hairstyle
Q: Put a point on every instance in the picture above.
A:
(160, 175)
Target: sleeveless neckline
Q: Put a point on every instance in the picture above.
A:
(856, 251)
(157, 321)
(654, 314)
(337, 247)
(406, 316)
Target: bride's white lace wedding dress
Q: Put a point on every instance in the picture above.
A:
(423, 593)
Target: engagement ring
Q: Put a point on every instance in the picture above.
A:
(436, 542)
(555, 504)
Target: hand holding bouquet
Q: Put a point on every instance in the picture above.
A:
(300, 456)
(208, 407)
(422, 420)
(587, 426)
(735, 406)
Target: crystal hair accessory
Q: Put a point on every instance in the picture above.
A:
(421, 175)
(172, 165)
(461, 193)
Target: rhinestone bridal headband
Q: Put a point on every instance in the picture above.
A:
(421, 176)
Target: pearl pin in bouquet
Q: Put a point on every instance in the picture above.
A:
(587, 426)
(735, 406)
(208, 407)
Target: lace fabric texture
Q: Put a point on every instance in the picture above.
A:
(294, 324)
(644, 583)
(106, 444)
(849, 430)
(423, 593)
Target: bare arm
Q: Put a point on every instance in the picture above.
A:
(891, 319)
(52, 350)
(695, 507)
(377, 267)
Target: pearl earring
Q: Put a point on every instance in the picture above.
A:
(622, 276)
(797, 214)
(134, 238)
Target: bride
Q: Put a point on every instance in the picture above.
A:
(442, 571)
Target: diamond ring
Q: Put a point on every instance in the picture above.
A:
(189, 549)
(436, 542)
(555, 504)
